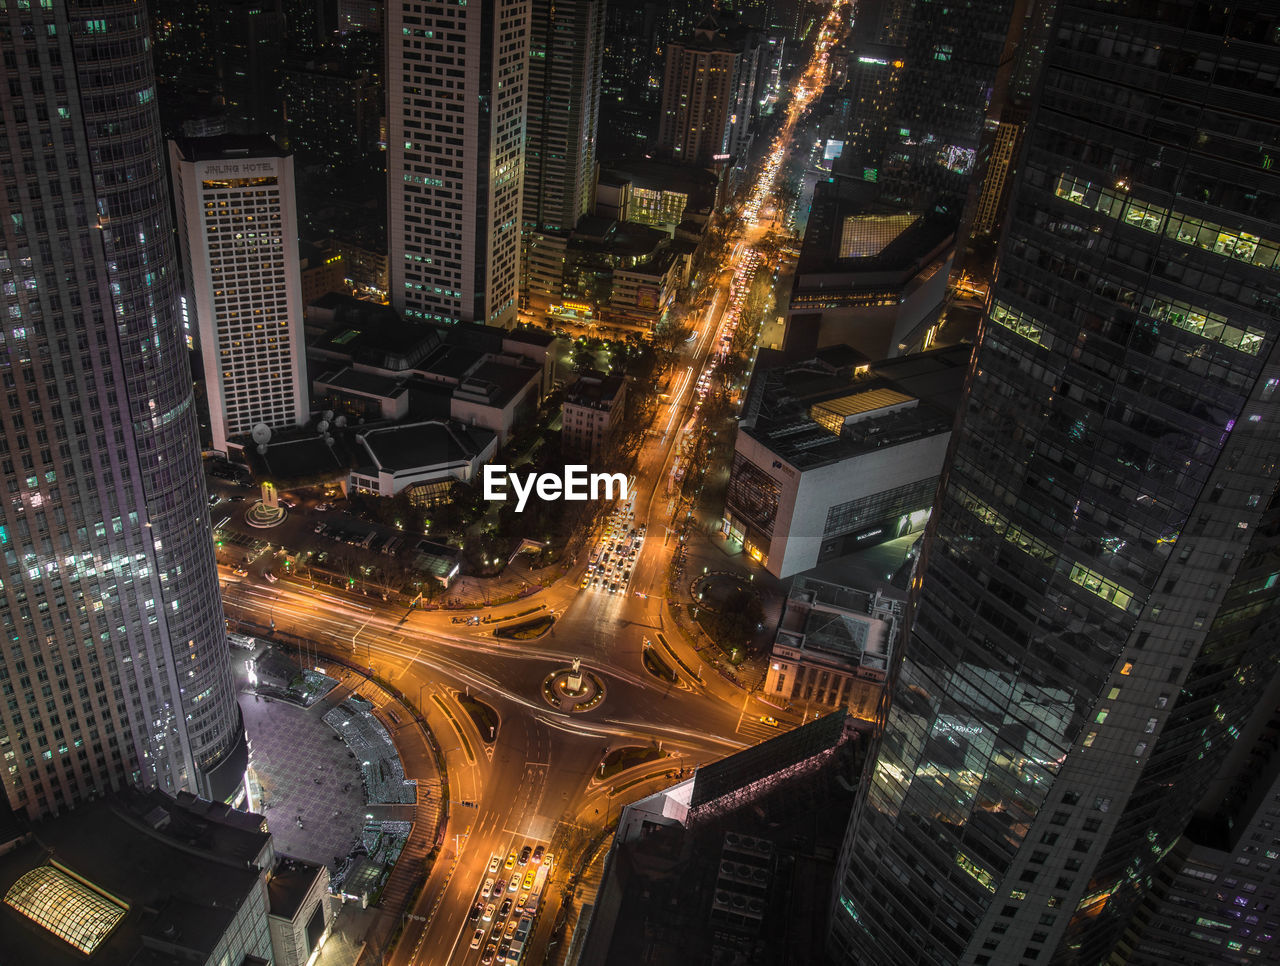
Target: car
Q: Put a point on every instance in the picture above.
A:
(475, 912)
(504, 947)
(586, 581)
(515, 883)
(547, 858)
(213, 499)
(498, 887)
(271, 578)
(477, 939)
(524, 855)
(528, 880)
(513, 923)
(769, 719)
(240, 572)
(319, 528)
(504, 909)
(489, 952)
(536, 858)
(323, 507)
(488, 913)
(511, 860)
(497, 859)
(487, 888)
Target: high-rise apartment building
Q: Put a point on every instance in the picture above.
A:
(708, 95)
(457, 77)
(1095, 612)
(114, 668)
(238, 231)
(630, 77)
(565, 49)
(950, 55)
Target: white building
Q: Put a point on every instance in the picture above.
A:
(834, 454)
(238, 231)
(456, 91)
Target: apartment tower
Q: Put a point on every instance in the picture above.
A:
(1094, 616)
(114, 668)
(238, 231)
(457, 76)
(565, 53)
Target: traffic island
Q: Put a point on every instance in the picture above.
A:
(482, 715)
(629, 756)
(573, 690)
(655, 665)
(529, 630)
(728, 609)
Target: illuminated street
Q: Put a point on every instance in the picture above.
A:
(537, 784)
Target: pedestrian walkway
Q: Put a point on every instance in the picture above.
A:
(314, 802)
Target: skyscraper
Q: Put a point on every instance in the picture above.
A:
(456, 86)
(1095, 613)
(565, 50)
(708, 94)
(114, 666)
(238, 231)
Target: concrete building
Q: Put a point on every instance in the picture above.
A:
(566, 46)
(869, 279)
(622, 275)
(590, 412)
(109, 582)
(675, 198)
(708, 95)
(833, 648)
(834, 454)
(142, 878)
(238, 231)
(375, 368)
(411, 454)
(457, 77)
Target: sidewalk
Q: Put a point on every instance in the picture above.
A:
(304, 771)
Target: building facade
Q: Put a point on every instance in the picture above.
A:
(833, 648)
(1095, 619)
(833, 455)
(457, 77)
(115, 669)
(238, 230)
(565, 50)
(590, 412)
(708, 90)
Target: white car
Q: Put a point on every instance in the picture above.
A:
(494, 863)
(477, 939)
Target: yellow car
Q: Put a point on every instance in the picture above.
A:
(528, 880)
(771, 721)
(511, 860)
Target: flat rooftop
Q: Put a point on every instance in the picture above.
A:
(596, 391)
(229, 147)
(430, 443)
(826, 409)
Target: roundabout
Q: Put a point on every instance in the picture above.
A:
(573, 690)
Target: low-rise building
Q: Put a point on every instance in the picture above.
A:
(590, 412)
(833, 647)
(373, 367)
(834, 454)
(142, 878)
(415, 453)
(869, 279)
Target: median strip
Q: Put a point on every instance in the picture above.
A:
(466, 745)
(688, 670)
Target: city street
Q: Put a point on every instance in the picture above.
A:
(537, 782)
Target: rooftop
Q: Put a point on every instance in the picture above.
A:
(430, 443)
(596, 390)
(121, 876)
(290, 883)
(229, 147)
(826, 408)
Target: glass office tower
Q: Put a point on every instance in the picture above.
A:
(113, 663)
(1095, 611)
